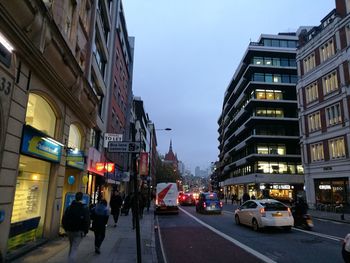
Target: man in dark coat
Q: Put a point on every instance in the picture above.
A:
(100, 215)
(115, 204)
(76, 223)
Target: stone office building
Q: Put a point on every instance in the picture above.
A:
(324, 99)
(47, 109)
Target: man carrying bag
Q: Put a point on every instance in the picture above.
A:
(76, 223)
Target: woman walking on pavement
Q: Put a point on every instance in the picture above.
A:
(99, 215)
(115, 204)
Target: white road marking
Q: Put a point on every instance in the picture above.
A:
(161, 242)
(319, 234)
(232, 240)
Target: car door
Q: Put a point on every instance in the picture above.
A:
(251, 212)
(243, 213)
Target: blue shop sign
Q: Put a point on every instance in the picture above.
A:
(71, 196)
(75, 159)
(37, 144)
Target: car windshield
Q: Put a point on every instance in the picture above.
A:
(211, 197)
(274, 206)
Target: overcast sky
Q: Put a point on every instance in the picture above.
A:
(186, 52)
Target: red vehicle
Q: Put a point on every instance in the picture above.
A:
(187, 199)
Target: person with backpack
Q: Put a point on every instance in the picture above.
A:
(99, 215)
(76, 223)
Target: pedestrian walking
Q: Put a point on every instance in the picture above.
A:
(115, 204)
(346, 249)
(245, 197)
(99, 215)
(76, 223)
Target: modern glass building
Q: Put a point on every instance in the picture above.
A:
(258, 127)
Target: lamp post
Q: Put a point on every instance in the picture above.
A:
(149, 163)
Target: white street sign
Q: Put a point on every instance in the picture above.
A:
(124, 147)
(112, 137)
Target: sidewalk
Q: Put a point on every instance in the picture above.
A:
(119, 245)
(330, 216)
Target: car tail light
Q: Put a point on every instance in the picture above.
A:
(220, 204)
(184, 197)
(262, 212)
(289, 212)
(204, 205)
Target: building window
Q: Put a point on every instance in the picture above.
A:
(327, 50)
(274, 78)
(333, 115)
(317, 152)
(271, 149)
(336, 148)
(311, 92)
(100, 59)
(309, 63)
(330, 83)
(74, 138)
(269, 112)
(267, 94)
(314, 121)
(40, 115)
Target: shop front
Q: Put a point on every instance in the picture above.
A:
(39, 153)
(331, 192)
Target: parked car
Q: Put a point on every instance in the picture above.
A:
(187, 199)
(264, 213)
(208, 203)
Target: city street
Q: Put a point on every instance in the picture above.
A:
(193, 237)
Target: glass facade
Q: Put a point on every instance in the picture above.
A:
(332, 191)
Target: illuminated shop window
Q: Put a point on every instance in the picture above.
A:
(40, 115)
(30, 198)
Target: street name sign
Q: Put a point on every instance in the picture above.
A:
(123, 147)
(111, 137)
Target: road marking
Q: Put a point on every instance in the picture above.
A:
(319, 234)
(328, 220)
(160, 241)
(232, 240)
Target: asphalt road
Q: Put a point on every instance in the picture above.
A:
(193, 237)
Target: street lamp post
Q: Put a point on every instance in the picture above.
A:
(149, 164)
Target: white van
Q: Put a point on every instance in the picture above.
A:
(167, 198)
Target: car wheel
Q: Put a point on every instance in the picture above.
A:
(238, 222)
(255, 225)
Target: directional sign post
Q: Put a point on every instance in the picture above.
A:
(123, 147)
(111, 137)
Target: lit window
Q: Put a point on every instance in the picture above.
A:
(337, 148)
(314, 121)
(309, 62)
(330, 82)
(327, 50)
(316, 151)
(40, 115)
(311, 92)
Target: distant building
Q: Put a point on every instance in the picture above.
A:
(323, 94)
(258, 127)
(171, 158)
